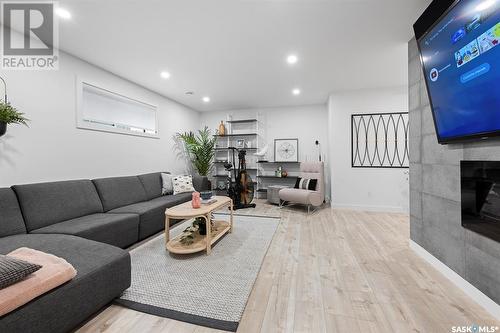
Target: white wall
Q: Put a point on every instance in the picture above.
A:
(307, 123)
(359, 188)
(54, 149)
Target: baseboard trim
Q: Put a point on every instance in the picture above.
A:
(384, 209)
(477, 295)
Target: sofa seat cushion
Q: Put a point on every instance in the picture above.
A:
(120, 230)
(173, 200)
(152, 213)
(103, 273)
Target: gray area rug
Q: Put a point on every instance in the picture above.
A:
(263, 209)
(204, 290)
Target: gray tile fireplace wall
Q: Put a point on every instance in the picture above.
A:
(435, 211)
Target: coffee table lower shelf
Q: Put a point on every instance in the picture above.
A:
(200, 241)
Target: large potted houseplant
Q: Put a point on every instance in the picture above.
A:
(201, 149)
(10, 115)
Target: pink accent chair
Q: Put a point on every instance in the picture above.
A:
(310, 170)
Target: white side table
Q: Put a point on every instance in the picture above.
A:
(273, 193)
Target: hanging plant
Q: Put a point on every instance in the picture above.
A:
(10, 115)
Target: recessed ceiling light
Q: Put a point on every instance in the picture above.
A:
(165, 75)
(63, 13)
(296, 91)
(485, 5)
(206, 99)
(292, 59)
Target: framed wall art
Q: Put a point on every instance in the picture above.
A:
(286, 150)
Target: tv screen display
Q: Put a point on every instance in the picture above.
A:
(461, 60)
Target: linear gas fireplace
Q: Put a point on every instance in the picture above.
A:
(480, 183)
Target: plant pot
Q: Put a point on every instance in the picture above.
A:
(203, 228)
(3, 128)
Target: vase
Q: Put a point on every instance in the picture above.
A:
(196, 200)
(202, 225)
(3, 128)
(222, 128)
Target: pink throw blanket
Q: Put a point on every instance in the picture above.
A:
(54, 272)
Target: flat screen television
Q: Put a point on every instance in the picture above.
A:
(459, 43)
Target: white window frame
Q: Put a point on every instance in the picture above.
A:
(82, 123)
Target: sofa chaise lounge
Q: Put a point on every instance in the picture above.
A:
(88, 223)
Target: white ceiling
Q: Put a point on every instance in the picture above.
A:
(234, 50)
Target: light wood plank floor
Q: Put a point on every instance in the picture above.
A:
(334, 271)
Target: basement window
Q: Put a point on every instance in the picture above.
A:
(103, 110)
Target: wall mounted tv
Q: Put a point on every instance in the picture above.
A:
(459, 43)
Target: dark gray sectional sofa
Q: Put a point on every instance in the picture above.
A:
(87, 223)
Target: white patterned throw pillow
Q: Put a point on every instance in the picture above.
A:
(183, 184)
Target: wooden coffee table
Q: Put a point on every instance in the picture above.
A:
(200, 243)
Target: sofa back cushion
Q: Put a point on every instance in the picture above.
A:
(152, 184)
(44, 204)
(120, 191)
(11, 219)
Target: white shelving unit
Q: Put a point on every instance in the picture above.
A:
(236, 129)
(266, 177)
(252, 130)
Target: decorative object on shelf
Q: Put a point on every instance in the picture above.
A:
(8, 113)
(221, 185)
(278, 172)
(201, 149)
(380, 140)
(240, 143)
(286, 150)
(196, 200)
(222, 128)
(262, 153)
(284, 173)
